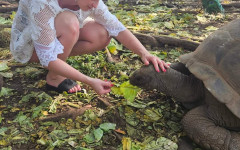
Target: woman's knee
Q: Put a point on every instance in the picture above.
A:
(94, 33)
(67, 25)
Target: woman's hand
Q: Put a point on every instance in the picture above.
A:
(132, 43)
(157, 62)
(101, 87)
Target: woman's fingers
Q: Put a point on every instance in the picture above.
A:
(104, 87)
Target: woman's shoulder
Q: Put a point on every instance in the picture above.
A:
(37, 5)
(101, 6)
(40, 2)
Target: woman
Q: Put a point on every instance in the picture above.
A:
(48, 31)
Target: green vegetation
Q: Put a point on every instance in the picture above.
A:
(127, 118)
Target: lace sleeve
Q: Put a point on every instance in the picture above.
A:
(102, 15)
(44, 38)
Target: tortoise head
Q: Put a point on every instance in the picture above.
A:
(145, 77)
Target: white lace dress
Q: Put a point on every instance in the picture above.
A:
(33, 27)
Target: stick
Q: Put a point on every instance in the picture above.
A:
(71, 113)
(109, 57)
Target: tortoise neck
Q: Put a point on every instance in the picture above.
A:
(184, 88)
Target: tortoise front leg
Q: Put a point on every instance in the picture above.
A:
(206, 133)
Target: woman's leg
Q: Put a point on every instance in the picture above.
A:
(67, 30)
(93, 37)
(90, 38)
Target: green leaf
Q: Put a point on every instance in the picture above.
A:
(136, 105)
(37, 111)
(211, 28)
(98, 134)
(89, 138)
(7, 74)
(44, 96)
(112, 2)
(132, 120)
(169, 25)
(58, 143)
(20, 118)
(113, 49)
(108, 126)
(53, 106)
(3, 66)
(89, 114)
(126, 143)
(42, 141)
(12, 16)
(3, 142)
(19, 138)
(75, 131)
(59, 134)
(23, 120)
(174, 126)
(5, 21)
(27, 97)
(161, 55)
(116, 90)
(201, 18)
(129, 91)
(6, 92)
(3, 130)
(153, 115)
(162, 143)
(114, 43)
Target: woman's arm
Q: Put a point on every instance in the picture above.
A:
(116, 29)
(131, 42)
(62, 68)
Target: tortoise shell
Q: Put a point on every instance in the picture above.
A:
(216, 62)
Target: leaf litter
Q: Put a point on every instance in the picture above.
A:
(127, 118)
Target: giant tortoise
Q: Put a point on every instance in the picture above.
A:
(207, 81)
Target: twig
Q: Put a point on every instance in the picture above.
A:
(2, 26)
(109, 57)
(119, 137)
(4, 3)
(71, 113)
(7, 9)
